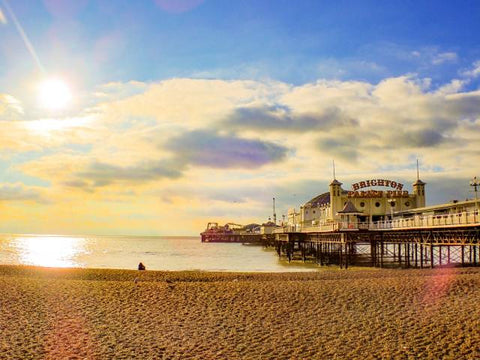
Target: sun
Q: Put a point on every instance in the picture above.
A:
(54, 94)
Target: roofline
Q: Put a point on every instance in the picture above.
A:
(438, 206)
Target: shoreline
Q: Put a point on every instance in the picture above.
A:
(131, 314)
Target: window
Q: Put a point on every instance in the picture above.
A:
(362, 204)
(392, 203)
(377, 204)
(407, 204)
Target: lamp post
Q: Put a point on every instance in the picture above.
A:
(475, 183)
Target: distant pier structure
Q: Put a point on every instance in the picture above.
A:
(235, 233)
(370, 226)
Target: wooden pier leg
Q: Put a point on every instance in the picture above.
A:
(474, 255)
(421, 256)
(440, 255)
(416, 254)
(373, 253)
(400, 254)
(346, 255)
(382, 252)
(463, 255)
(407, 251)
(340, 257)
(431, 256)
(321, 254)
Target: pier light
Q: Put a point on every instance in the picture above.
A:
(475, 183)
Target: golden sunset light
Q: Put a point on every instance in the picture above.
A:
(239, 179)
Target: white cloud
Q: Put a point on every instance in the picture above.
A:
(10, 108)
(474, 71)
(446, 57)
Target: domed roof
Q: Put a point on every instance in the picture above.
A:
(319, 200)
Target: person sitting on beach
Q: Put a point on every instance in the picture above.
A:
(141, 266)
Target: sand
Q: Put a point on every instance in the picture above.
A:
(329, 314)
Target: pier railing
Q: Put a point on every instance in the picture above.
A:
(429, 221)
(471, 218)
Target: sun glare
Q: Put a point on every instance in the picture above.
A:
(54, 94)
(51, 251)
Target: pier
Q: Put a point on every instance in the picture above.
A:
(369, 226)
(422, 242)
(418, 242)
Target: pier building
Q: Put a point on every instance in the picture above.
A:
(370, 200)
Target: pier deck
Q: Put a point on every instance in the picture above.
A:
(409, 247)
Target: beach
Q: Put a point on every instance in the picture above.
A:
(54, 313)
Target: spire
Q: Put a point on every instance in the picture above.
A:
(334, 181)
(418, 182)
(274, 213)
(418, 172)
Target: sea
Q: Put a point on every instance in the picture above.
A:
(126, 252)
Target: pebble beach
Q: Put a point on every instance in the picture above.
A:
(54, 313)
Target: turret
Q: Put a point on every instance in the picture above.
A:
(419, 192)
(335, 197)
(419, 189)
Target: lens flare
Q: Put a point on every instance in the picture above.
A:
(54, 94)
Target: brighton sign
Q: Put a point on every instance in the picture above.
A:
(377, 182)
(357, 192)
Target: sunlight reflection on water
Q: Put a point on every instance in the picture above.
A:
(52, 251)
(125, 252)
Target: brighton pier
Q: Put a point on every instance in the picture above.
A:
(379, 228)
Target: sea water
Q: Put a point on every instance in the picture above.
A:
(125, 252)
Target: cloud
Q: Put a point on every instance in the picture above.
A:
(210, 149)
(421, 138)
(277, 117)
(98, 174)
(474, 72)
(19, 192)
(446, 57)
(117, 90)
(10, 108)
(345, 148)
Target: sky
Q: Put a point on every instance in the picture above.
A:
(164, 115)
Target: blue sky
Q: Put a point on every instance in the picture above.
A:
(211, 103)
(290, 41)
